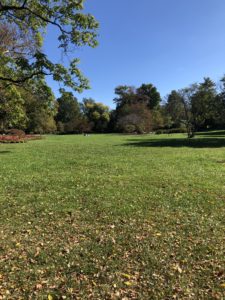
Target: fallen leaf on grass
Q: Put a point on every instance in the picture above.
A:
(126, 275)
(128, 283)
(158, 234)
(177, 268)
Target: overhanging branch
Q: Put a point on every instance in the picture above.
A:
(12, 81)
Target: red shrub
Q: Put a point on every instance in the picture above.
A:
(11, 139)
(16, 132)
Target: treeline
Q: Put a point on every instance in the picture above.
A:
(200, 106)
(33, 108)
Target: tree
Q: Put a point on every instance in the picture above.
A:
(204, 106)
(97, 114)
(219, 104)
(40, 106)
(68, 115)
(159, 119)
(28, 20)
(175, 108)
(125, 95)
(12, 112)
(186, 95)
(134, 118)
(135, 108)
(148, 94)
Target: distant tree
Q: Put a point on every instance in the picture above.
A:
(220, 104)
(148, 94)
(204, 106)
(68, 112)
(126, 95)
(159, 118)
(186, 95)
(97, 114)
(134, 118)
(136, 106)
(175, 108)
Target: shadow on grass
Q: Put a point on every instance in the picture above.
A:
(212, 133)
(179, 142)
(4, 152)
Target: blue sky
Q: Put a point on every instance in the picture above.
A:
(170, 43)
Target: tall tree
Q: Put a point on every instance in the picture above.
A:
(40, 106)
(203, 102)
(148, 93)
(134, 118)
(144, 100)
(220, 104)
(68, 115)
(186, 95)
(175, 108)
(125, 95)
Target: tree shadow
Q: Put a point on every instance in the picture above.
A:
(4, 152)
(179, 142)
(212, 133)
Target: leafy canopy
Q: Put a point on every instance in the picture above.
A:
(28, 20)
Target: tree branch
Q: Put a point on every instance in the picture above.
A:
(24, 79)
(8, 8)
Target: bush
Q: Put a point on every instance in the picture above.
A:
(16, 132)
(160, 131)
(7, 139)
(129, 128)
(177, 130)
(170, 131)
(11, 139)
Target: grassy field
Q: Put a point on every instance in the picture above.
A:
(113, 217)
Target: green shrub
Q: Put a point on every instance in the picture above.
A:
(172, 130)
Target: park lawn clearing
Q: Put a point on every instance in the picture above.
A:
(113, 217)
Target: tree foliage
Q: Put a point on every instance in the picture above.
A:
(134, 118)
(12, 112)
(40, 107)
(146, 94)
(97, 114)
(68, 112)
(203, 105)
(175, 108)
(134, 108)
(26, 21)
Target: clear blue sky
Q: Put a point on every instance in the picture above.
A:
(170, 43)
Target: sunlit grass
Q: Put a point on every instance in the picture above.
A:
(113, 217)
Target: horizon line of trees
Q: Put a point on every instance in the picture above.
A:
(34, 109)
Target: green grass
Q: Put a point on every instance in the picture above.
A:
(113, 217)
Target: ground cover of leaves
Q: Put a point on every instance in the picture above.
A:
(113, 217)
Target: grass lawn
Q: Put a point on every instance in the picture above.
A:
(113, 217)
